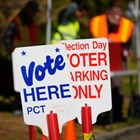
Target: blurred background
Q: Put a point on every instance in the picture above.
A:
(12, 127)
(10, 8)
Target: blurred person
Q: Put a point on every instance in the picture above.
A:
(118, 30)
(22, 31)
(68, 26)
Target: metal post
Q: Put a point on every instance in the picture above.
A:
(138, 42)
(48, 32)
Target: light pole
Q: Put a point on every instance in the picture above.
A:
(48, 29)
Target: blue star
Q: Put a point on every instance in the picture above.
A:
(57, 50)
(23, 53)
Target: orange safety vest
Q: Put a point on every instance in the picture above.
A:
(98, 28)
(27, 35)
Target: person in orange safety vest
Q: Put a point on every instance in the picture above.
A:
(22, 31)
(118, 30)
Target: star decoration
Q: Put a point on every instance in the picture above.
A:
(57, 50)
(23, 53)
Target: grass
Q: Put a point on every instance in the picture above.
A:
(14, 128)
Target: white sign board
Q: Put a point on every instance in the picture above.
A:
(90, 74)
(45, 84)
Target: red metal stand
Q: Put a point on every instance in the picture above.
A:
(53, 127)
(32, 132)
(87, 123)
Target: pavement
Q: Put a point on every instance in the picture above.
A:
(129, 133)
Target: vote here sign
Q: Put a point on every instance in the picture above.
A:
(45, 84)
(90, 74)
